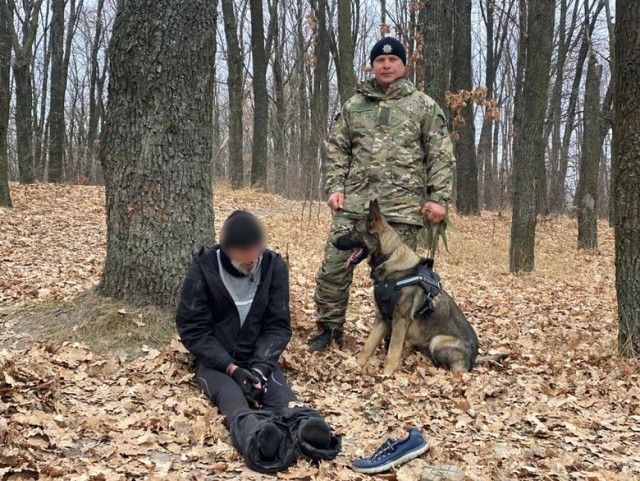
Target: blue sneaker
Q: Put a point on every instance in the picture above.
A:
(393, 453)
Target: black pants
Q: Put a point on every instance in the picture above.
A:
(228, 396)
(245, 423)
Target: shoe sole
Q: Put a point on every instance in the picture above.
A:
(396, 462)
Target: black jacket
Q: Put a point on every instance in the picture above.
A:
(209, 324)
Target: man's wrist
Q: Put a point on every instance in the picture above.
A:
(231, 369)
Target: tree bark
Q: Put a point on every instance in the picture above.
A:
(319, 101)
(627, 174)
(260, 97)
(529, 147)
(278, 117)
(465, 147)
(156, 149)
(346, 50)
(40, 131)
(95, 112)
(557, 189)
(24, 85)
(57, 93)
(587, 192)
(5, 101)
(438, 42)
(235, 86)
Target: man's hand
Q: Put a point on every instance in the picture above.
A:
(434, 212)
(249, 383)
(336, 201)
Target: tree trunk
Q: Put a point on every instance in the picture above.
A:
(5, 101)
(557, 189)
(319, 101)
(627, 174)
(438, 42)
(22, 74)
(156, 149)
(94, 102)
(24, 127)
(57, 93)
(278, 117)
(40, 123)
(529, 146)
(260, 97)
(304, 134)
(346, 49)
(554, 122)
(234, 83)
(465, 147)
(587, 192)
(486, 194)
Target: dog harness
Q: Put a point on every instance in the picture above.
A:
(387, 293)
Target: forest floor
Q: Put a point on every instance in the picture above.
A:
(564, 406)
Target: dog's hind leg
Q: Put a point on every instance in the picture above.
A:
(378, 331)
(398, 335)
(448, 352)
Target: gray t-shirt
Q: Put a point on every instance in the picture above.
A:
(242, 289)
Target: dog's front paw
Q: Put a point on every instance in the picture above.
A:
(389, 368)
(362, 360)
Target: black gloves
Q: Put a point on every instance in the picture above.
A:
(247, 381)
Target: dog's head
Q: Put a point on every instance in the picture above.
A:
(363, 240)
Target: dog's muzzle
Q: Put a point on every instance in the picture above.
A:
(359, 251)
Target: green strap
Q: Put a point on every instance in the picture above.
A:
(437, 231)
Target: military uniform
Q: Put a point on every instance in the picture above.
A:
(393, 146)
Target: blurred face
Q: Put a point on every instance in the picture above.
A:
(387, 69)
(245, 258)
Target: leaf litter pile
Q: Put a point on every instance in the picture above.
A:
(564, 406)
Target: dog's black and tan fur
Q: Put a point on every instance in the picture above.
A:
(445, 336)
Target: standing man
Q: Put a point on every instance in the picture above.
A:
(234, 319)
(390, 142)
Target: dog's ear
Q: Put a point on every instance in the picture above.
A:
(375, 215)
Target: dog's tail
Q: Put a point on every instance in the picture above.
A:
(492, 357)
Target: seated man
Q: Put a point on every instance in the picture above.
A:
(234, 319)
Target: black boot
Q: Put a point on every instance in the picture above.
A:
(269, 439)
(316, 433)
(323, 340)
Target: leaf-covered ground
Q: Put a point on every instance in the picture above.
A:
(564, 406)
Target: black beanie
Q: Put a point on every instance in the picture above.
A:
(388, 46)
(241, 229)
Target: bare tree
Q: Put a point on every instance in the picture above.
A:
(5, 100)
(343, 50)
(465, 147)
(438, 42)
(529, 147)
(236, 94)
(587, 192)
(156, 151)
(60, 56)
(22, 73)
(260, 96)
(95, 91)
(627, 175)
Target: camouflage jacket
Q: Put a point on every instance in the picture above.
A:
(391, 145)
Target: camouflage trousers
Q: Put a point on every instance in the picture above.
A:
(333, 280)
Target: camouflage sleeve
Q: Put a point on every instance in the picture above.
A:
(440, 159)
(338, 153)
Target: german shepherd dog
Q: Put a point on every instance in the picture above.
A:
(444, 335)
